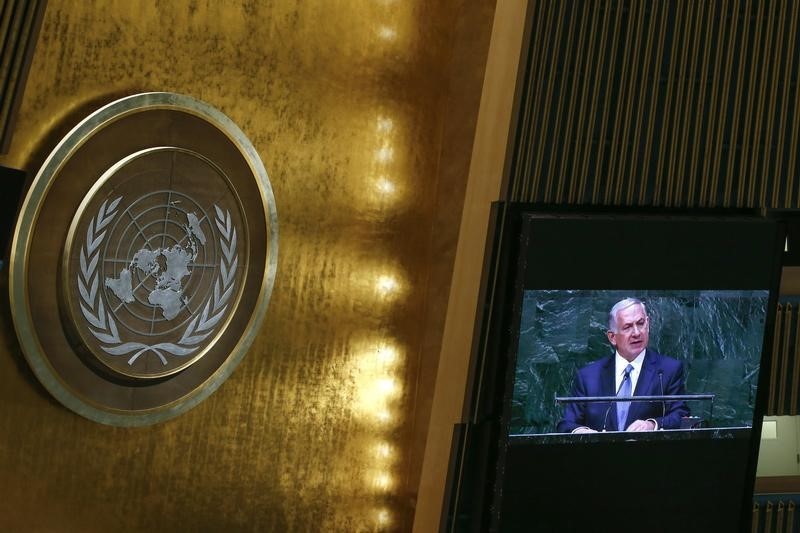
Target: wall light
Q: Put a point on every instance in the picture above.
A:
(384, 154)
(385, 186)
(386, 285)
(387, 355)
(386, 33)
(385, 124)
(384, 518)
(383, 450)
(383, 481)
(387, 386)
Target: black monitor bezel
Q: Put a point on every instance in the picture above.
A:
(487, 404)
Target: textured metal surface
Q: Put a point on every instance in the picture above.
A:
(684, 104)
(350, 105)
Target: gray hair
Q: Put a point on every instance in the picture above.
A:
(619, 306)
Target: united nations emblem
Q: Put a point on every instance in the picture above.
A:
(167, 260)
(151, 275)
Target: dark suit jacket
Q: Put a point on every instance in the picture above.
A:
(597, 379)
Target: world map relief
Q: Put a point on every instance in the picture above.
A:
(170, 266)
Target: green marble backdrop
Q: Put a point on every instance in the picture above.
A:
(717, 334)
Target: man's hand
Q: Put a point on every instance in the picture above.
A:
(584, 429)
(642, 425)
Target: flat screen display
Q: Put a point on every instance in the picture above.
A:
(545, 446)
(705, 344)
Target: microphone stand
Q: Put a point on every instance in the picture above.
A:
(663, 403)
(605, 418)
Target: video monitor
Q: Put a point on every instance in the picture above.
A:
(710, 339)
(695, 295)
(704, 286)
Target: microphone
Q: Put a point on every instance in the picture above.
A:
(605, 418)
(663, 403)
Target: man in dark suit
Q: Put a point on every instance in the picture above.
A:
(634, 370)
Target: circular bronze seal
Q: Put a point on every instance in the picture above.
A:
(143, 259)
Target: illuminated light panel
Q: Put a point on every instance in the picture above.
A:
(387, 285)
(385, 124)
(387, 386)
(384, 518)
(377, 360)
(385, 186)
(384, 450)
(384, 154)
(383, 481)
(387, 355)
(377, 384)
(387, 34)
(375, 396)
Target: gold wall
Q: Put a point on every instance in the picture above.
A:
(364, 114)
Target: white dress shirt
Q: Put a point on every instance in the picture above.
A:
(621, 364)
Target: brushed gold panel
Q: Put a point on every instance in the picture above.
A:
(348, 105)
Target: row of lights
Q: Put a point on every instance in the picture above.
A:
(384, 359)
(387, 286)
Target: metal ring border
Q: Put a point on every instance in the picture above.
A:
(29, 214)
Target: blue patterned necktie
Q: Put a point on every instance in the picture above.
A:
(624, 392)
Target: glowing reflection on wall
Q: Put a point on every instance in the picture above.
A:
(379, 375)
(386, 285)
(385, 186)
(384, 391)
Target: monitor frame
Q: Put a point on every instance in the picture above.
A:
(481, 443)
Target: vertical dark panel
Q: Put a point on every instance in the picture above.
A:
(784, 395)
(782, 184)
(19, 26)
(584, 71)
(793, 97)
(643, 101)
(621, 120)
(789, 326)
(609, 99)
(695, 118)
(681, 86)
(563, 93)
(734, 111)
(546, 115)
(667, 103)
(762, 165)
(780, 317)
(719, 143)
(584, 151)
(12, 183)
(794, 377)
(664, 37)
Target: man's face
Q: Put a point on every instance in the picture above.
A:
(632, 332)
